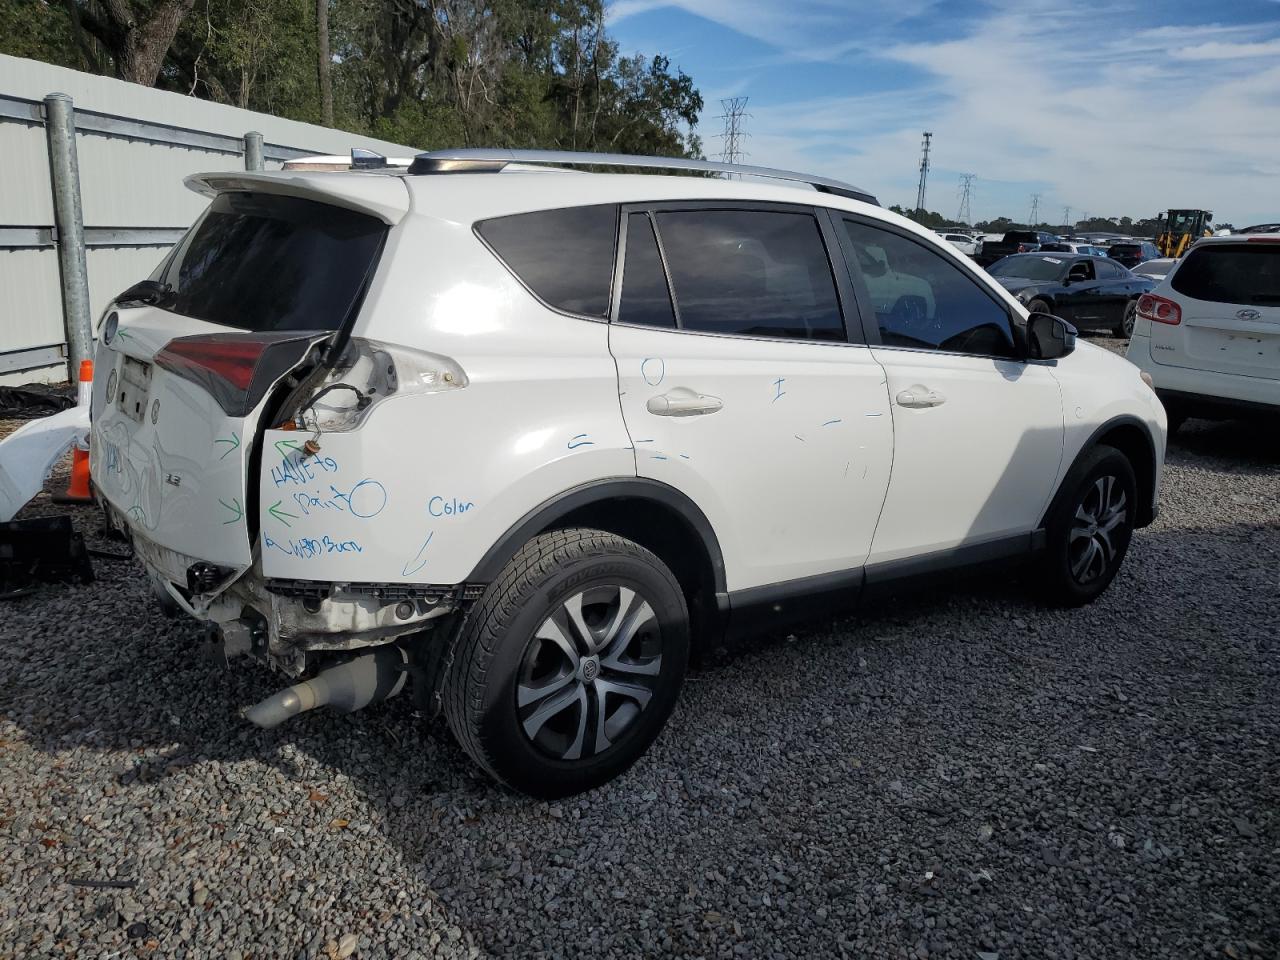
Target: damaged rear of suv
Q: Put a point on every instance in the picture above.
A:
(220, 379)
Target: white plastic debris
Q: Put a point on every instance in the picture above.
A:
(30, 452)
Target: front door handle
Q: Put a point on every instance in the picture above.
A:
(682, 402)
(920, 397)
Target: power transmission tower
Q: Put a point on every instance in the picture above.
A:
(1035, 210)
(924, 172)
(735, 111)
(1066, 217)
(965, 215)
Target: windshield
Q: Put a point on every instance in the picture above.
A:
(1232, 273)
(261, 262)
(1030, 268)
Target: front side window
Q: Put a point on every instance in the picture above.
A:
(922, 300)
(751, 273)
(564, 256)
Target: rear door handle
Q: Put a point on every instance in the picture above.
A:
(682, 402)
(920, 397)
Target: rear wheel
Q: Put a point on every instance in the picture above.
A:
(1125, 329)
(1089, 528)
(570, 663)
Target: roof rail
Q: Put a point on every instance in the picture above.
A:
(478, 160)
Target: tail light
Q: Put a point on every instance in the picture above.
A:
(236, 369)
(368, 372)
(1159, 310)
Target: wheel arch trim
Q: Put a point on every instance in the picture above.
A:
(1148, 509)
(594, 492)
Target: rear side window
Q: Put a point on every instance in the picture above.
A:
(753, 273)
(564, 256)
(645, 297)
(263, 262)
(1231, 273)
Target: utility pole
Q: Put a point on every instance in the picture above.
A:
(734, 112)
(1035, 211)
(965, 215)
(924, 172)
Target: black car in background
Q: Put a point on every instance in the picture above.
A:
(1133, 252)
(1093, 293)
(1015, 241)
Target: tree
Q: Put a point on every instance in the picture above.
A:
(324, 62)
(134, 34)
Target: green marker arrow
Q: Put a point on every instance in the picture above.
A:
(285, 447)
(234, 441)
(281, 514)
(235, 507)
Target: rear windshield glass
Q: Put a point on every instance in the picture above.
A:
(264, 262)
(1029, 268)
(564, 256)
(1231, 273)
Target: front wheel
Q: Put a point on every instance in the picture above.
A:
(1039, 306)
(1089, 528)
(570, 663)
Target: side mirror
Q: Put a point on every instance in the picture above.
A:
(1049, 337)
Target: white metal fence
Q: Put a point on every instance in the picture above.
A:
(134, 145)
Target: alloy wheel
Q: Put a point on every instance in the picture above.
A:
(1130, 317)
(588, 672)
(1095, 531)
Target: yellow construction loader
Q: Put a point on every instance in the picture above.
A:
(1179, 229)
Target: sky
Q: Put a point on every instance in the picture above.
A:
(1111, 109)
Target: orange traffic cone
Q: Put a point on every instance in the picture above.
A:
(78, 489)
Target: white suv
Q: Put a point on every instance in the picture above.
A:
(1209, 334)
(523, 440)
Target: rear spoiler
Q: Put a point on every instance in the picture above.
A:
(385, 197)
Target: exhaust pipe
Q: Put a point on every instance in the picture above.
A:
(347, 686)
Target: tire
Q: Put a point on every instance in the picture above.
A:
(1125, 329)
(1090, 525)
(1039, 306)
(577, 621)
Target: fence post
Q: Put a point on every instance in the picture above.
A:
(68, 217)
(253, 150)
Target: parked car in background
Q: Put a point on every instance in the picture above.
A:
(1261, 228)
(963, 242)
(1209, 334)
(1156, 269)
(1071, 246)
(1093, 293)
(1014, 241)
(1130, 253)
(618, 417)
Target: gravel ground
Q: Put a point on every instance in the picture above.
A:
(958, 774)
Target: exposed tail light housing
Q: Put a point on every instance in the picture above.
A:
(237, 369)
(1159, 309)
(368, 372)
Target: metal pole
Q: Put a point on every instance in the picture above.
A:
(253, 150)
(68, 216)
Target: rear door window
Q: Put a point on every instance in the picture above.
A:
(752, 273)
(261, 262)
(565, 257)
(646, 300)
(1231, 273)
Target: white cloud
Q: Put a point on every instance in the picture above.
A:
(1052, 99)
